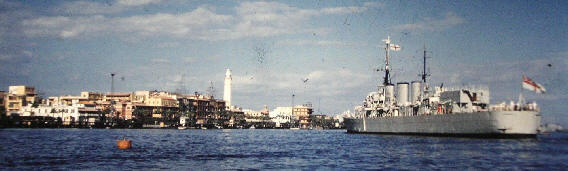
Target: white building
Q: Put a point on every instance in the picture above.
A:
(281, 115)
(252, 113)
(85, 114)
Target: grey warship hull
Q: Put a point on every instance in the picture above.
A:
(505, 124)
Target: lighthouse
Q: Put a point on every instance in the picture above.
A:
(227, 90)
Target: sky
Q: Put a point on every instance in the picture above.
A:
(65, 47)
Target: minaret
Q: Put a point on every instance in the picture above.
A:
(227, 93)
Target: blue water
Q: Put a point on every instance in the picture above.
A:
(270, 149)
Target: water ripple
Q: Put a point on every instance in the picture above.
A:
(64, 149)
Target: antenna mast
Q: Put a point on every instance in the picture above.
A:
(424, 72)
(112, 82)
(386, 80)
(211, 89)
(293, 96)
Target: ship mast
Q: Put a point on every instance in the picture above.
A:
(386, 80)
(424, 74)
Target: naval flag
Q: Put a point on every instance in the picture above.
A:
(533, 86)
(394, 47)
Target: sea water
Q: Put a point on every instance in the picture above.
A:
(95, 149)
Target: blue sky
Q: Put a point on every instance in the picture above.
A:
(64, 47)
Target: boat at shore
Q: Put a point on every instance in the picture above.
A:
(441, 111)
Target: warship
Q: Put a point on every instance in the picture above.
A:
(417, 109)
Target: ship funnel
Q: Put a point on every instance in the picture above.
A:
(402, 93)
(415, 95)
(389, 93)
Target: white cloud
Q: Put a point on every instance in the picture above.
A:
(193, 25)
(262, 19)
(342, 10)
(251, 19)
(433, 24)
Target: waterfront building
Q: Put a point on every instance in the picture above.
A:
(161, 105)
(124, 110)
(204, 108)
(161, 101)
(302, 114)
(141, 96)
(18, 97)
(52, 101)
(281, 115)
(114, 96)
(252, 113)
(144, 96)
(302, 111)
(71, 115)
(92, 96)
(253, 116)
(68, 100)
(258, 119)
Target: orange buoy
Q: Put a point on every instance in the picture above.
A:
(124, 144)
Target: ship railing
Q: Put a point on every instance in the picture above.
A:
(525, 107)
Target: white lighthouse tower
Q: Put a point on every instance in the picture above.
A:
(227, 90)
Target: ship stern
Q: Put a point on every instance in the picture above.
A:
(517, 122)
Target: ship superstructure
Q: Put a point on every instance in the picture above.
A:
(412, 108)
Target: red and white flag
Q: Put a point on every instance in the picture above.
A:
(395, 47)
(533, 86)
